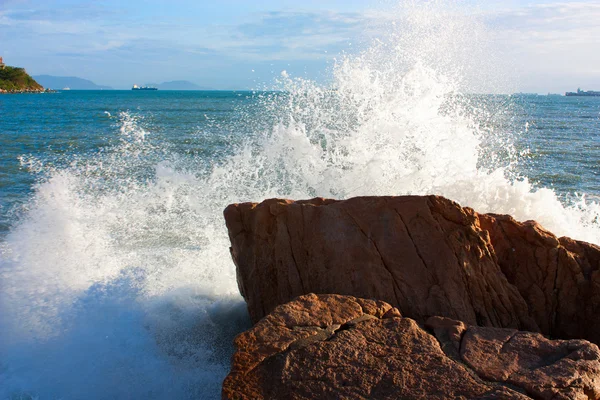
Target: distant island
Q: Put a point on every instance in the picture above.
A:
(75, 83)
(70, 82)
(178, 85)
(17, 80)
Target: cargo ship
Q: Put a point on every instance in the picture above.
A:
(580, 92)
(136, 87)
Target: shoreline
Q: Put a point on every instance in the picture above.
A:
(27, 91)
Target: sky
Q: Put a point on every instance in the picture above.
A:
(550, 46)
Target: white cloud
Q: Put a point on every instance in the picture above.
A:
(555, 47)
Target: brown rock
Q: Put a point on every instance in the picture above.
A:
(559, 278)
(424, 255)
(449, 333)
(544, 369)
(358, 355)
(374, 358)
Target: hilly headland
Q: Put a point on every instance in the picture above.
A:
(17, 80)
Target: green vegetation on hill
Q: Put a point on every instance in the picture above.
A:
(14, 79)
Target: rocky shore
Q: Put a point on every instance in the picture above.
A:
(2, 91)
(410, 297)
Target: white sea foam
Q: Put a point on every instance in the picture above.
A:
(119, 284)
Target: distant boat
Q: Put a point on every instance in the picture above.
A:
(136, 87)
(66, 88)
(580, 92)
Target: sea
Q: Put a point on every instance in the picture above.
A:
(116, 280)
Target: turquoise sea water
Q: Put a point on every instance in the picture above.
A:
(563, 137)
(115, 275)
(57, 129)
(558, 137)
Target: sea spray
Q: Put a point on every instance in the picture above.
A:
(404, 117)
(117, 281)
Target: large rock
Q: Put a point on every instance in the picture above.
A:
(332, 347)
(559, 278)
(425, 255)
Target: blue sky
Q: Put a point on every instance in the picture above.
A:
(552, 46)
